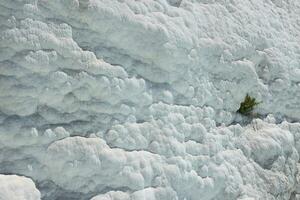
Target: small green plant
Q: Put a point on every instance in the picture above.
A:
(247, 105)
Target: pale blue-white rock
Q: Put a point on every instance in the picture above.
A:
(137, 100)
(14, 187)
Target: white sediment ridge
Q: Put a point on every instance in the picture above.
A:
(137, 99)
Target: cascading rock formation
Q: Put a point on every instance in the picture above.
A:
(137, 99)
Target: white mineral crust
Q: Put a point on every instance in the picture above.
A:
(137, 99)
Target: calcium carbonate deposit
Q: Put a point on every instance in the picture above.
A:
(137, 99)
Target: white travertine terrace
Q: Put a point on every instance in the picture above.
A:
(137, 99)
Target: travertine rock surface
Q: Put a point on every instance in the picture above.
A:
(137, 99)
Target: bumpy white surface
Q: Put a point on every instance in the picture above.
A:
(132, 100)
(14, 187)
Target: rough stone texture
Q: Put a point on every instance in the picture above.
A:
(132, 100)
(14, 187)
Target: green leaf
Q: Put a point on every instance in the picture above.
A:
(247, 106)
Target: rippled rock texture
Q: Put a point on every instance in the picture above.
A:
(137, 99)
